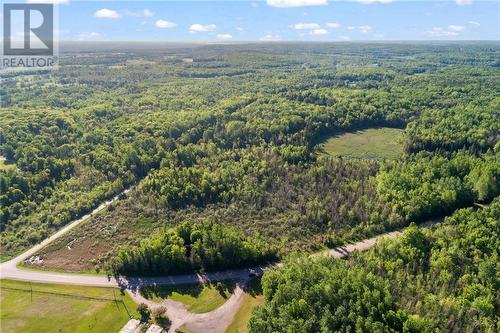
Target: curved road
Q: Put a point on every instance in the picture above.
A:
(211, 322)
(10, 270)
(215, 321)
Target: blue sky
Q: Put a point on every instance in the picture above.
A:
(285, 20)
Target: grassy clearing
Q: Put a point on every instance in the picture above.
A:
(372, 143)
(32, 307)
(252, 298)
(199, 298)
(240, 322)
(6, 165)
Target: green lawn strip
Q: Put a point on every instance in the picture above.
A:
(34, 307)
(240, 322)
(198, 298)
(373, 143)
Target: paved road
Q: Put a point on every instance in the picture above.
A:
(9, 269)
(212, 322)
(218, 320)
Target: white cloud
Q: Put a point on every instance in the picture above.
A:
(345, 37)
(224, 36)
(367, 2)
(89, 36)
(305, 26)
(319, 32)
(255, 5)
(441, 32)
(453, 27)
(201, 28)
(463, 2)
(474, 23)
(364, 29)
(333, 25)
(142, 13)
(240, 29)
(147, 13)
(55, 2)
(351, 27)
(165, 24)
(270, 38)
(295, 3)
(107, 13)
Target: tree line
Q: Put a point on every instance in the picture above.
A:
(191, 246)
(439, 279)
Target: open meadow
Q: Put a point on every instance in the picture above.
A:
(46, 308)
(371, 143)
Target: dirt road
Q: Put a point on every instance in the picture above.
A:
(215, 321)
(211, 322)
(9, 269)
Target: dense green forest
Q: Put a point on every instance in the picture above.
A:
(232, 135)
(443, 279)
(221, 147)
(206, 246)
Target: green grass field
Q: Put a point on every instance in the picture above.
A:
(199, 298)
(252, 298)
(39, 308)
(372, 143)
(4, 165)
(240, 322)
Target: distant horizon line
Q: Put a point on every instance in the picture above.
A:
(281, 41)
